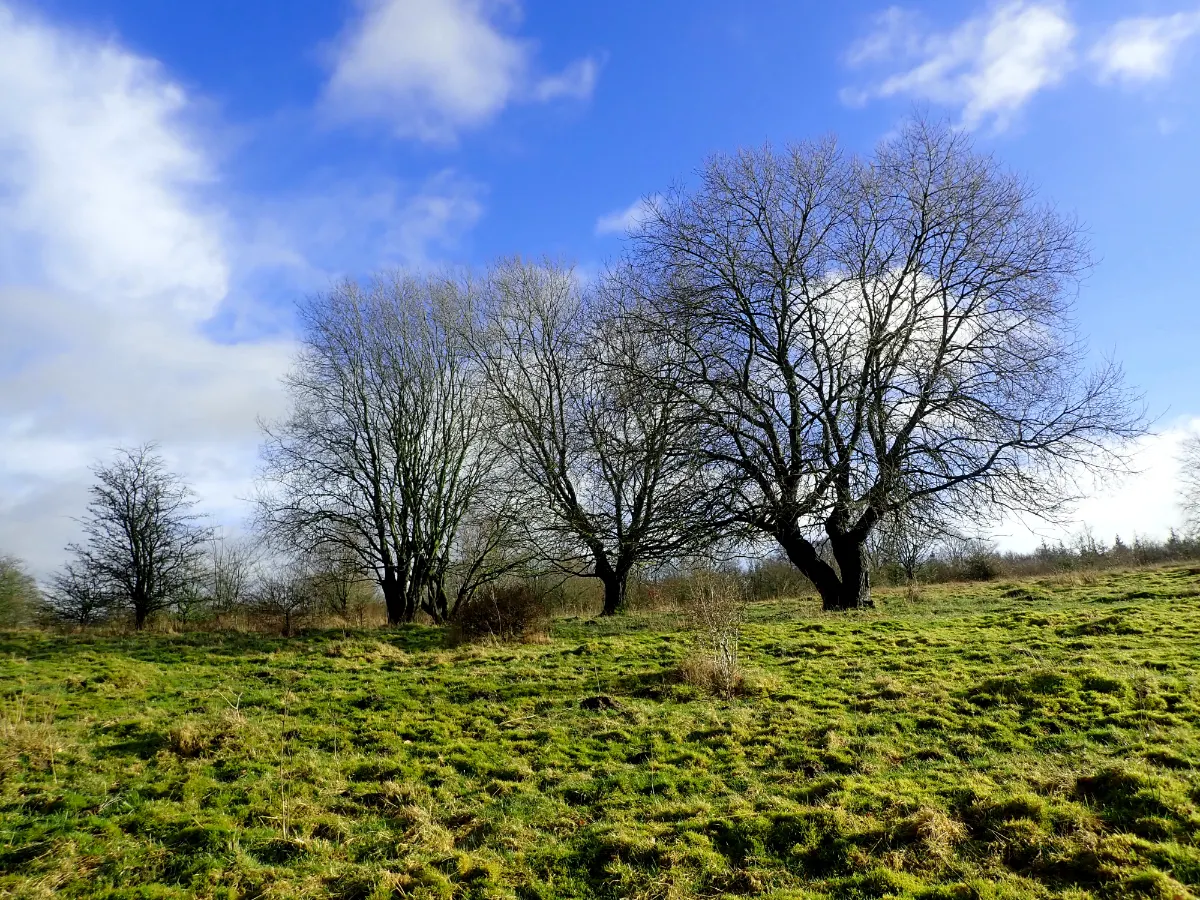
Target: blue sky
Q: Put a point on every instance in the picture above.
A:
(174, 175)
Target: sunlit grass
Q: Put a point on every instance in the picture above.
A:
(1015, 739)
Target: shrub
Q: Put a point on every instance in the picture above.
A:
(716, 607)
(284, 600)
(19, 595)
(980, 567)
(775, 577)
(511, 612)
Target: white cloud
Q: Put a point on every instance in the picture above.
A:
(114, 261)
(575, 82)
(1144, 49)
(118, 245)
(989, 67)
(99, 173)
(1144, 504)
(624, 221)
(434, 68)
(897, 33)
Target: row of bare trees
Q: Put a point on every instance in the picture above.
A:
(448, 431)
(837, 356)
(807, 348)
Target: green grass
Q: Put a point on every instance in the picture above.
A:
(1029, 739)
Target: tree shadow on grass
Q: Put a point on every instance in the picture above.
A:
(144, 743)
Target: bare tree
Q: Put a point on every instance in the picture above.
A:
(227, 573)
(860, 335)
(285, 596)
(144, 542)
(1189, 488)
(490, 546)
(387, 446)
(337, 581)
(907, 536)
(77, 597)
(603, 462)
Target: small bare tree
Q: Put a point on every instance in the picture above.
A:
(489, 548)
(859, 335)
(604, 465)
(284, 596)
(716, 608)
(77, 596)
(144, 544)
(228, 573)
(908, 536)
(1189, 487)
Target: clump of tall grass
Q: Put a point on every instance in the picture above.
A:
(715, 608)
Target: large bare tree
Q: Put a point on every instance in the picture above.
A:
(144, 543)
(864, 334)
(387, 446)
(609, 477)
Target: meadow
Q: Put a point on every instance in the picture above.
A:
(1033, 738)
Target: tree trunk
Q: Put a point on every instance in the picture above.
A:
(412, 602)
(616, 584)
(804, 557)
(394, 599)
(855, 583)
(438, 605)
(851, 589)
(140, 614)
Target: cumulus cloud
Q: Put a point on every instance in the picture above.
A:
(989, 67)
(120, 251)
(1144, 49)
(624, 221)
(116, 260)
(99, 175)
(434, 68)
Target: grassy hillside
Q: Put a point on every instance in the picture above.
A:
(1009, 740)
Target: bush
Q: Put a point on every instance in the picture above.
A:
(716, 608)
(511, 612)
(775, 577)
(19, 595)
(77, 598)
(284, 600)
(980, 567)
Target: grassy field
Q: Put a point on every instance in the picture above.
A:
(1033, 739)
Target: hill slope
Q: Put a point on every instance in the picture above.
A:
(1009, 740)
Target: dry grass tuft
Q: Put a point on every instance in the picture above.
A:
(704, 671)
(716, 609)
(188, 740)
(931, 831)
